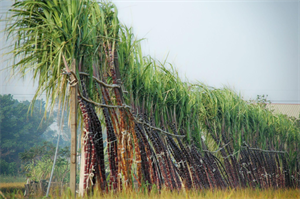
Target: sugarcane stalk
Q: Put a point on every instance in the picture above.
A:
(86, 149)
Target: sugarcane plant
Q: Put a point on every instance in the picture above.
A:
(159, 130)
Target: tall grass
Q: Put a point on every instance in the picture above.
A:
(211, 194)
(191, 194)
(12, 189)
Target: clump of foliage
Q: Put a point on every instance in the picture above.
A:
(38, 162)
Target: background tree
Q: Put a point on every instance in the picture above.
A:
(19, 129)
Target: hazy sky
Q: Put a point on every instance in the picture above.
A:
(22, 90)
(251, 46)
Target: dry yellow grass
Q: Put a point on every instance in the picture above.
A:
(204, 194)
(165, 194)
(12, 190)
(12, 185)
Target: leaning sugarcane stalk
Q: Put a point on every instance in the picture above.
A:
(151, 175)
(176, 153)
(192, 168)
(84, 170)
(144, 163)
(112, 148)
(129, 158)
(98, 140)
(158, 150)
(118, 94)
(112, 126)
(181, 158)
(138, 160)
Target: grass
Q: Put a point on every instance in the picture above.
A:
(12, 189)
(165, 194)
(211, 194)
(12, 186)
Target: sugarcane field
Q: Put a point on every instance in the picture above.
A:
(108, 120)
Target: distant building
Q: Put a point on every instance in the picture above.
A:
(288, 109)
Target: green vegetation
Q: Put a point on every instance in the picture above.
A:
(38, 161)
(12, 178)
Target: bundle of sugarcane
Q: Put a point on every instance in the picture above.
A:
(155, 164)
(181, 162)
(111, 143)
(214, 169)
(160, 169)
(93, 168)
(192, 175)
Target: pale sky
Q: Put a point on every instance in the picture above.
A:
(250, 46)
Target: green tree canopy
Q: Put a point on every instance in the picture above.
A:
(20, 129)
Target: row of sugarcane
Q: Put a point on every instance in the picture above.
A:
(146, 151)
(142, 153)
